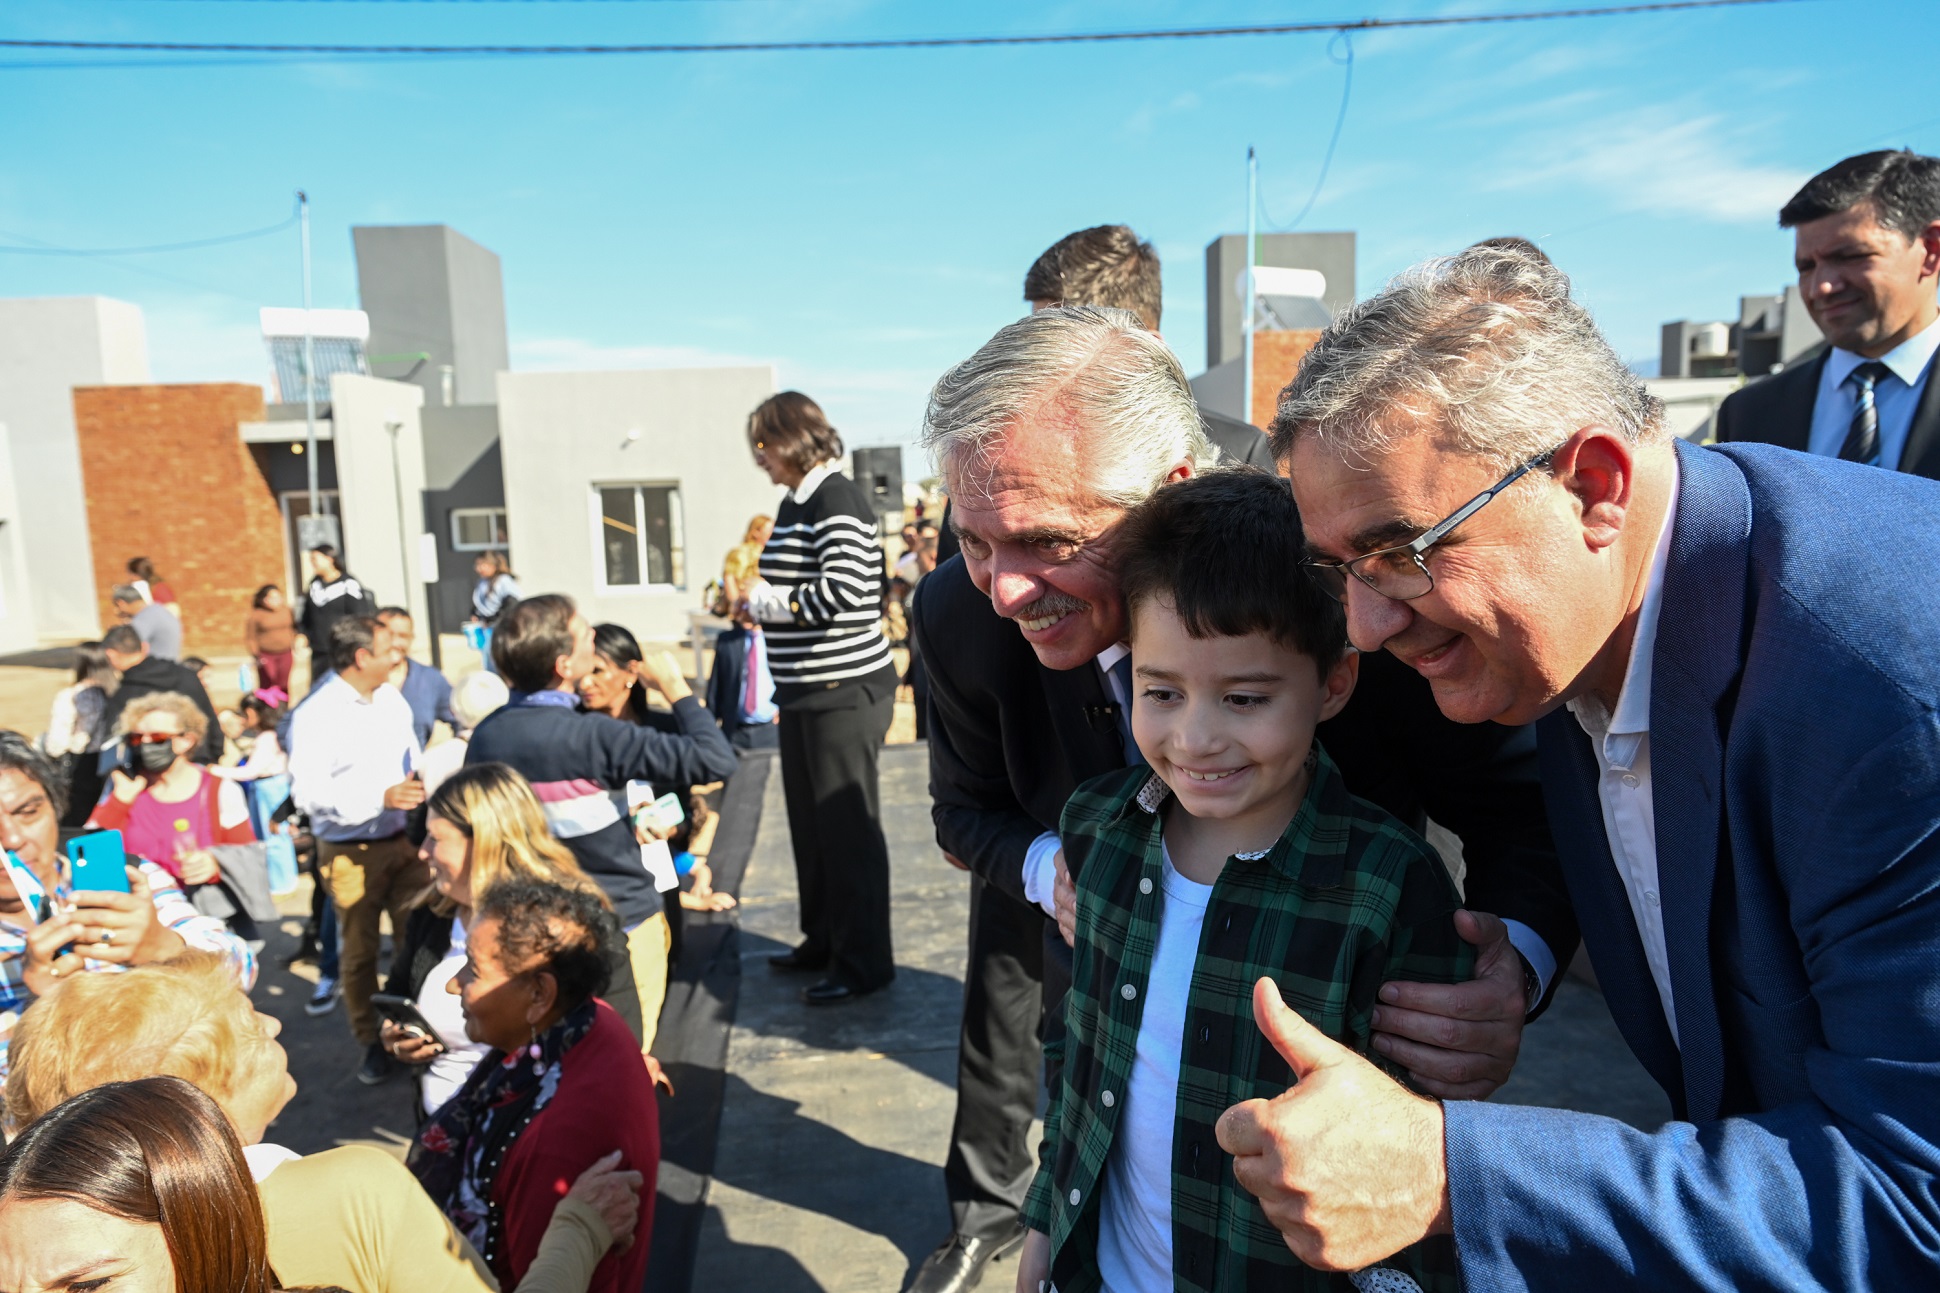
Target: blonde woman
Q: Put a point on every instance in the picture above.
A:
(483, 826)
(350, 1217)
(171, 811)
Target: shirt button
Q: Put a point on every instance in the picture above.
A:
(1650, 896)
(1145, 885)
(1630, 779)
(1109, 1099)
(1075, 1196)
(1128, 992)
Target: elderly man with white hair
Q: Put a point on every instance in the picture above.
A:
(1730, 658)
(1047, 436)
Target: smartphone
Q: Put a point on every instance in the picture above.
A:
(403, 1012)
(97, 862)
(665, 812)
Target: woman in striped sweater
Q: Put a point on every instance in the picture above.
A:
(818, 596)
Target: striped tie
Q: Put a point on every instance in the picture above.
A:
(1862, 441)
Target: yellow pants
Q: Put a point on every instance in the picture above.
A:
(647, 945)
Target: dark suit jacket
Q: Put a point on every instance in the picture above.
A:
(1010, 740)
(1778, 410)
(153, 675)
(1795, 769)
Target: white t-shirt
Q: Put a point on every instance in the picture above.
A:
(1135, 1215)
(442, 1010)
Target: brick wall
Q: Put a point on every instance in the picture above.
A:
(1276, 358)
(168, 477)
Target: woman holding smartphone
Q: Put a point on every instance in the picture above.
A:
(483, 826)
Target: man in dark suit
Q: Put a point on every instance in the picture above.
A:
(1867, 243)
(1023, 639)
(1729, 657)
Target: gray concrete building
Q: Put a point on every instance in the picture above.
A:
(625, 490)
(1770, 333)
(436, 302)
(48, 346)
(1330, 254)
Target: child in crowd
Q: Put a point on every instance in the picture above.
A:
(1237, 853)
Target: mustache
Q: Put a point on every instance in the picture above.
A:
(1052, 603)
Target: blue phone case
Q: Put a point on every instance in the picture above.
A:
(97, 863)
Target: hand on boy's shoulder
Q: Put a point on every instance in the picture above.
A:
(1458, 1041)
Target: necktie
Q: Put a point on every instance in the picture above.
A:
(1862, 441)
(1121, 679)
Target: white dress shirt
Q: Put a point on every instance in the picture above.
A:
(1040, 869)
(1896, 397)
(1621, 740)
(346, 750)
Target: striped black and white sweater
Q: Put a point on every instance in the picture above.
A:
(822, 608)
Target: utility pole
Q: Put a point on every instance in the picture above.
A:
(309, 365)
(1252, 258)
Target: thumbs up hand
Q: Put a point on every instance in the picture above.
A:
(1346, 1164)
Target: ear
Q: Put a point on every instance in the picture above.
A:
(1337, 685)
(1597, 467)
(1929, 241)
(1180, 472)
(545, 995)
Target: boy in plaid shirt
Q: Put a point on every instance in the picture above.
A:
(1236, 854)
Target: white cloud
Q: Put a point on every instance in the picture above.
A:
(1661, 162)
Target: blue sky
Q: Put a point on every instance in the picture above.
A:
(863, 220)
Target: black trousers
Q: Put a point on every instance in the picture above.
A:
(831, 745)
(989, 1168)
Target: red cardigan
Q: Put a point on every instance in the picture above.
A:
(605, 1102)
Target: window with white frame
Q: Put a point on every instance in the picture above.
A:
(478, 529)
(641, 540)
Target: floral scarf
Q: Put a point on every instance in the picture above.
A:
(458, 1154)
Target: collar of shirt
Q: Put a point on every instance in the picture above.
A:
(551, 696)
(1906, 361)
(1621, 731)
(1312, 850)
(1107, 658)
(812, 481)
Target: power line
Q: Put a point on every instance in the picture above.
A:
(913, 42)
(1327, 161)
(47, 249)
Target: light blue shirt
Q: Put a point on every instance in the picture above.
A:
(1897, 396)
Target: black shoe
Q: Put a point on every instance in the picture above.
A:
(377, 1065)
(799, 961)
(830, 992)
(959, 1263)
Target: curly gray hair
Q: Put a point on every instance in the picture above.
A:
(1486, 347)
(1104, 369)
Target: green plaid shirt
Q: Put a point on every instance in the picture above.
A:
(1346, 900)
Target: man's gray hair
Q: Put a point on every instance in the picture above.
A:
(1486, 348)
(125, 593)
(1097, 368)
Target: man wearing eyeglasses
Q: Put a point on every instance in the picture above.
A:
(1046, 435)
(1729, 658)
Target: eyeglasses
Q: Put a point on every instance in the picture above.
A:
(150, 738)
(1400, 573)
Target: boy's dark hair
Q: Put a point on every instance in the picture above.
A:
(1902, 186)
(1224, 551)
(1104, 265)
(348, 636)
(528, 639)
(571, 933)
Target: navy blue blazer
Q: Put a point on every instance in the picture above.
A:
(1795, 764)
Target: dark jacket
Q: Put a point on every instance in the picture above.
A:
(579, 765)
(1010, 740)
(1237, 441)
(1778, 410)
(154, 675)
(322, 606)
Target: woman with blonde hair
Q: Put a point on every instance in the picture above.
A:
(351, 1217)
(171, 810)
(483, 826)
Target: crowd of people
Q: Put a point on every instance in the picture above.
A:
(1192, 695)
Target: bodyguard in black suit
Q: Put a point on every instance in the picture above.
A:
(1867, 244)
(1021, 715)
